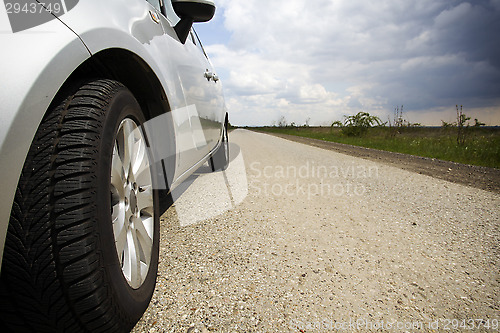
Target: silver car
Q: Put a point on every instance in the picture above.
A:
(106, 107)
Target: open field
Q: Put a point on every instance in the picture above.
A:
(482, 145)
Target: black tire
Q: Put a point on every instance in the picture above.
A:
(219, 161)
(60, 270)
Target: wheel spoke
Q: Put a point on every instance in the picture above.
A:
(120, 231)
(138, 151)
(118, 213)
(142, 173)
(117, 172)
(125, 257)
(144, 239)
(127, 146)
(135, 260)
(145, 198)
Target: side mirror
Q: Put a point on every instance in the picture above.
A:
(191, 11)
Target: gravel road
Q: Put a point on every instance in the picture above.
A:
(480, 177)
(308, 239)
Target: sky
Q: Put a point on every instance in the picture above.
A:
(317, 61)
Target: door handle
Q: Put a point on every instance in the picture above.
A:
(209, 75)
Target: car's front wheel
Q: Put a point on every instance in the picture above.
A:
(82, 246)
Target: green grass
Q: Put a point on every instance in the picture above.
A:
(482, 146)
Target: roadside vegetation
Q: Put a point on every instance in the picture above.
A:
(458, 141)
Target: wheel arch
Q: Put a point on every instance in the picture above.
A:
(129, 69)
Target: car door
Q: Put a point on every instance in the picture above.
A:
(213, 112)
(198, 105)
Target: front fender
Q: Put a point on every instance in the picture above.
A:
(34, 64)
(132, 28)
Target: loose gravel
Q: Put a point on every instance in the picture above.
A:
(326, 240)
(476, 176)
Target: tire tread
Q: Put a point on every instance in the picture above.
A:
(51, 273)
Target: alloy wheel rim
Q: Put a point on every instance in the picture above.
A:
(132, 208)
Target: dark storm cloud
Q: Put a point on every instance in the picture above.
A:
(426, 57)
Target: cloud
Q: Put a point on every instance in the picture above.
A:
(325, 59)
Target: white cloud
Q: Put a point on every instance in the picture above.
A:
(450, 16)
(324, 59)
